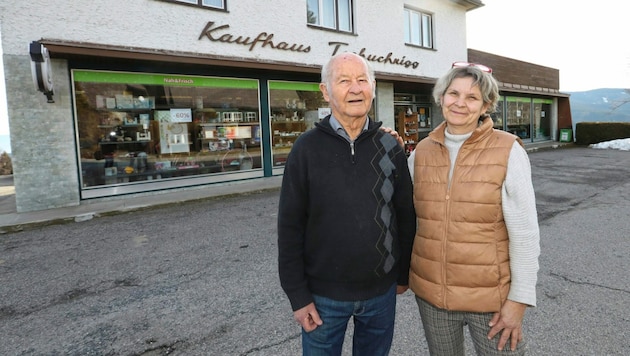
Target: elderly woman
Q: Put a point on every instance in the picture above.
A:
(475, 254)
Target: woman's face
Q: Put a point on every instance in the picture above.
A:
(462, 105)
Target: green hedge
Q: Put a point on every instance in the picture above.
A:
(587, 133)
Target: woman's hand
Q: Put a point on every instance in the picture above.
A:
(508, 322)
(394, 134)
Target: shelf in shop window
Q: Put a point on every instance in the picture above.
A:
(122, 142)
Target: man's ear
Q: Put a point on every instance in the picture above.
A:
(324, 89)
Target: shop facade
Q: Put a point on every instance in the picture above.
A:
(531, 105)
(172, 94)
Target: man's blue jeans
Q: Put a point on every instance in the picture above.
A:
(373, 326)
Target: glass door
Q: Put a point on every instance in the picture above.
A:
(414, 104)
(542, 119)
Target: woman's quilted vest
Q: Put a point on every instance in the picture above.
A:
(460, 258)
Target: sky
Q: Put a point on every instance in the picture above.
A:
(586, 41)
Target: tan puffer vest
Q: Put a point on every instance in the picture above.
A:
(460, 258)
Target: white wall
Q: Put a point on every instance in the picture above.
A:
(154, 24)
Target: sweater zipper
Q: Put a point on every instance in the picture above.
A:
(352, 151)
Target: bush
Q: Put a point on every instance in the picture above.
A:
(587, 133)
(6, 167)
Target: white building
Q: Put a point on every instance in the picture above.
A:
(150, 95)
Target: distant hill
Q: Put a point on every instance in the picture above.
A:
(599, 105)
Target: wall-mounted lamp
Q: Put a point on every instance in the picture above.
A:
(40, 69)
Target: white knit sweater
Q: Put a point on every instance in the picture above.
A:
(519, 212)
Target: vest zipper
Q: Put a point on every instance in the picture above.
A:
(446, 225)
(444, 247)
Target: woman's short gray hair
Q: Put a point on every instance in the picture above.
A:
(488, 86)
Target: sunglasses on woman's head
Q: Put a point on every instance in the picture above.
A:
(481, 67)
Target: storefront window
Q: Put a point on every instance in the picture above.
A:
(518, 116)
(497, 116)
(144, 128)
(295, 107)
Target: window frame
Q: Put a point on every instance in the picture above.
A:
(199, 3)
(320, 24)
(423, 27)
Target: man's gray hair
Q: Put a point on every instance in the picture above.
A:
(327, 68)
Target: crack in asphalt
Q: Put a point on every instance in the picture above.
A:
(567, 279)
(68, 297)
(162, 349)
(261, 348)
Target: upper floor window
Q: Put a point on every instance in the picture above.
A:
(332, 14)
(215, 4)
(418, 28)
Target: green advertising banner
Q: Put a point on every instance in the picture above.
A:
(162, 79)
(277, 85)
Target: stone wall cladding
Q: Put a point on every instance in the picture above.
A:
(45, 160)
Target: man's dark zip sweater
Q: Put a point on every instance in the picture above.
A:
(346, 220)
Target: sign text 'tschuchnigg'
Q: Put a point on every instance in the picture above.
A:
(264, 39)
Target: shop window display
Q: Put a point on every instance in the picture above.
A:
(136, 127)
(413, 118)
(497, 115)
(295, 107)
(518, 117)
(528, 118)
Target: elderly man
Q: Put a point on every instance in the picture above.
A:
(346, 220)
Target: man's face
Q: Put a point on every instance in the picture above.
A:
(351, 91)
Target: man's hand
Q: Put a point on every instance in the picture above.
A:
(394, 134)
(308, 317)
(401, 289)
(510, 320)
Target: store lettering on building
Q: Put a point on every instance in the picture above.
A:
(263, 39)
(219, 33)
(387, 59)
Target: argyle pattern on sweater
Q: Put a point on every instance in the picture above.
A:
(383, 192)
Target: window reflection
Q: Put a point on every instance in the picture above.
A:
(333, 14)
(135, 128)
(418, 28)
(497, 116)
(542, 122)
(518, 116)
(295, 108)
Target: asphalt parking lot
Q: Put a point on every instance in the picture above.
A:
(7, 194)
(200, 277)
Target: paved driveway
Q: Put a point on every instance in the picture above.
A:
(200, 278)
(7, 194)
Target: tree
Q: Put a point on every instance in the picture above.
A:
(6, 167)
(619, 103)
